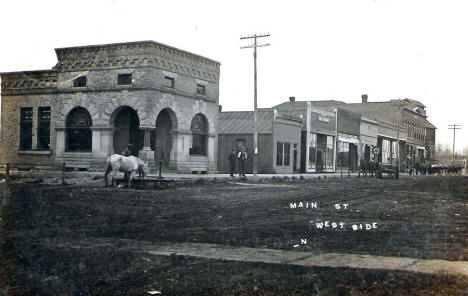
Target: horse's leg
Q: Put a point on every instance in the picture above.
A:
(108, 169)
(130, 178)
(114, 177)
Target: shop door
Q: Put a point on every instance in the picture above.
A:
(295, 160)
(352, 157)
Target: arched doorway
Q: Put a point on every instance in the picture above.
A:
(199, 128)
(78, 132)
(161, 138)
(126, 124)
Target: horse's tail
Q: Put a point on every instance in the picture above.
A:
(108, 167)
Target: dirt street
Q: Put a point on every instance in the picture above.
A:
(52, 236)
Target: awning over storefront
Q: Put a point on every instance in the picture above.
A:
(370, 141)
(348, 138)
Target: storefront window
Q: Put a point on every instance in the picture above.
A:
(394, 150)
(312, 151)
(343, 154)
(386, 152)
(287, 154)
(330, 146)
(279, 153)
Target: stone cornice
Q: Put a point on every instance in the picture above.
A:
(19, 92)
(27, 81)
(145, 53)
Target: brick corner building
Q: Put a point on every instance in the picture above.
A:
(98, 99)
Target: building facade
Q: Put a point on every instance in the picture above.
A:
(279, 140)
(321, 139)
(330, 136)
(348, 129)
(404, 122)
(99, 99)
(368, 138)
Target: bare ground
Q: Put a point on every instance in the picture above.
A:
(422, 217)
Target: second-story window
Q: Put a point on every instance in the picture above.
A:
(201, 89)
(80, 81)
(170, 81)
(124, 79)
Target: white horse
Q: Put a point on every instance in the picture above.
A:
(128, 165)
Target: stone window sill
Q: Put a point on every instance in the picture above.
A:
(35, 152)
(77, 153)
(198, 156)
(170, 89)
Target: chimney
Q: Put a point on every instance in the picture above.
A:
(292, 99)
(364, 98)
(220, 108)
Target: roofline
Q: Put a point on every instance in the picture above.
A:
(264, 110)
(366, 119)
(28, 71)
(289, 118)
(135, 43)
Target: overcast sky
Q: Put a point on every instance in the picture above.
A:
(330, 49)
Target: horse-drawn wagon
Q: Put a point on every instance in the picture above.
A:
(374, 167)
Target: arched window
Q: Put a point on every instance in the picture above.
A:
(79, 137)
(199, 128)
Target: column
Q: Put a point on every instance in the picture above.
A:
(102, 141)
(211, 153)
(59, 141)
(147, 153)
(174, 155)
(182, 140)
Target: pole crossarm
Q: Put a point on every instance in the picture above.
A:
(255, 36)
(252, 46)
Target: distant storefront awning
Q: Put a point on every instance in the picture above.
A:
(348, 138)
(370, 141)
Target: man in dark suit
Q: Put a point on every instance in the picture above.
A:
(232, 162)
(242, 157)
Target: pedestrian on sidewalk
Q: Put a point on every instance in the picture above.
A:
(241, 157)
(232, 162)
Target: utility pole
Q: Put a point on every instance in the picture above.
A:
(255, 140)
(454, 127)
(400, 110)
